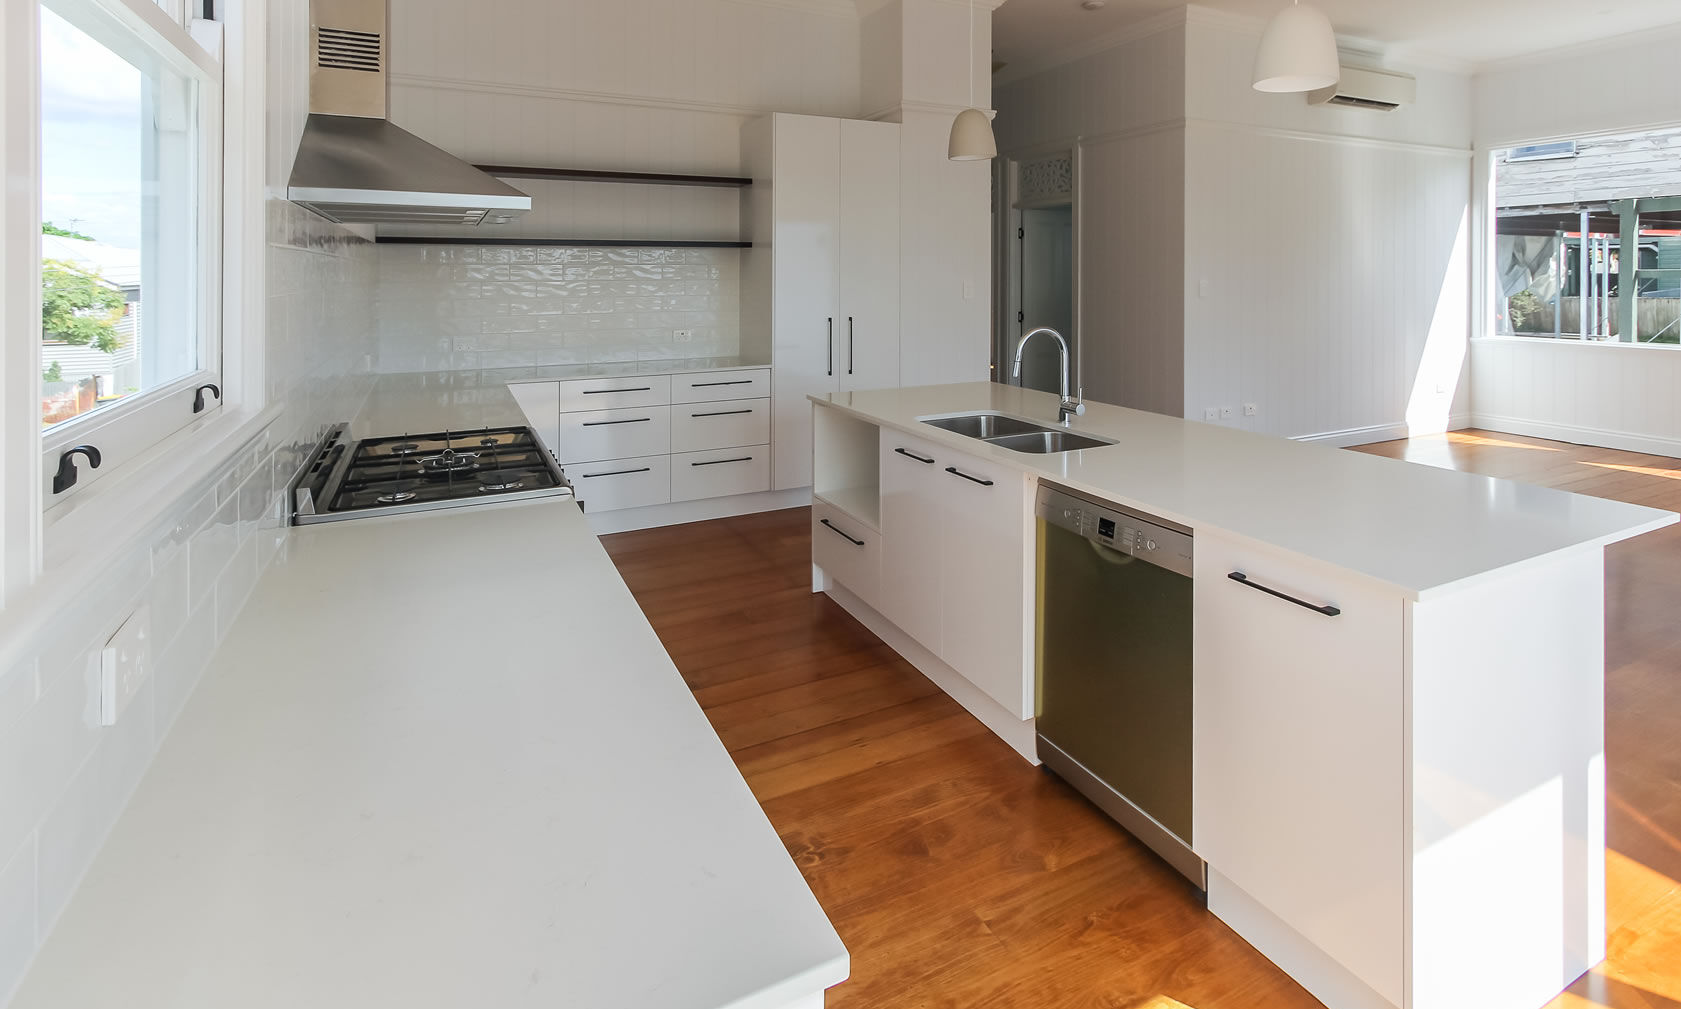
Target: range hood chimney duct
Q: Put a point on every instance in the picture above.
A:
(354, 165)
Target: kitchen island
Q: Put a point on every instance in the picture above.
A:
(1398, 784)
(442, 760)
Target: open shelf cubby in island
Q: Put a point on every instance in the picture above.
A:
(848, 461)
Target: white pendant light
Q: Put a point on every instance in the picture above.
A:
(1298, 52)
(971, 131)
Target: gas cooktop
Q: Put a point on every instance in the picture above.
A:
(450, 469)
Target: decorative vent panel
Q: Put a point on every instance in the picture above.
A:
(343, 49)
(1048, 181)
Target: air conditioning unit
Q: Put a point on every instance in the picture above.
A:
(1363, 88)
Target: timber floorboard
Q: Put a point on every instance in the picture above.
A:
(960, 877)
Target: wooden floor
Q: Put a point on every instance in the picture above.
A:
(961, 878)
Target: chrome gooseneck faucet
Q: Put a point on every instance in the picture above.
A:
(1069, 407)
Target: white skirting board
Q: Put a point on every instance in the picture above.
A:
(1381, 432)
(1015, 731)
(679, 512)
(1626, 441)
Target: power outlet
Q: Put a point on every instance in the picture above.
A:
(1250, 409)
(1226, 413)
(1211, 413)
(683, 335)
(125, 663)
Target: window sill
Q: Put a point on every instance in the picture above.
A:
(1567, 341)
(136, 497)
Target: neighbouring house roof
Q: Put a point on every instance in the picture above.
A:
(118, 266)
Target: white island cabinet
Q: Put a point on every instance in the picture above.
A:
(1398, 780)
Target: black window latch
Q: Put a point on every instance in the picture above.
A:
(66, 476)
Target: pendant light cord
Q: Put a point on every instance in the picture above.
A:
(971, 59)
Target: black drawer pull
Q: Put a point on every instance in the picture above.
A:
(609, 392)
(605, 423)
(720, 462)
(846, 536)
(954, 471)
(1243, 579)
(913, 455)
(719, 413)
(617, 472)
(733, 381)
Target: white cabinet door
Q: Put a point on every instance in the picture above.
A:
(867, 338)
(805, 244)
(540, 402)
(1299, 751)
(911, 514)
(986, 614)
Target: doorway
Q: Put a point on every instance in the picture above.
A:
(1039, 272)
(1047, 292)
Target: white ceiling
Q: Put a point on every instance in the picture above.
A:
(1469, 32)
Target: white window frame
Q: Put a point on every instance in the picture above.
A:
(126, 430)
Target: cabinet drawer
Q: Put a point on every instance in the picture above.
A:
(696, 427)
(719, 472)
(708, 386)
(847, 550)
(613, 393)
(622, 483)
(614, 434)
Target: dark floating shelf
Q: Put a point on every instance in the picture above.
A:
(641, 178)
(575, 243)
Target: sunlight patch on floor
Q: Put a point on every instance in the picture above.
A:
(1162, 1002)
(1668, 474)
(1466, 438)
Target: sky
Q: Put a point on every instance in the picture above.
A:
(90, 136)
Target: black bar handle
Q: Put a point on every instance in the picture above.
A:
(733, 381)
(850, 333)
(720, 462)
(1243, 579)
(617, 472)
(954, 471)
(912, 455)
(846, 536)
(609, 392)
(831, 345)
(606, 423)
(720, 413)
(65, 478)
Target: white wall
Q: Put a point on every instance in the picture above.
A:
(63, 778)
(1246, 248)
(1617, 396)
(1327, 252)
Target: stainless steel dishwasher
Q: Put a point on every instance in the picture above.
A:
(1114, 657)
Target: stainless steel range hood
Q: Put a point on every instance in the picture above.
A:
(357, 167)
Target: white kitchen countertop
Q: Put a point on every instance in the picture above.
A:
(441, 761)
(1419, 529)
(613, 369)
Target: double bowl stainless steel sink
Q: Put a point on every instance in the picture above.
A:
(1015, 434)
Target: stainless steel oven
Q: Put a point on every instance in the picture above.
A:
(1114, 657)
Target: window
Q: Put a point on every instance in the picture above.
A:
(1591, 249)
(129, 189)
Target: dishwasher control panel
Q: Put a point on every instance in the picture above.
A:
(1154, 541)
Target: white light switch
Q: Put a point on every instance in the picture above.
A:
(968, 290)
(124, 665)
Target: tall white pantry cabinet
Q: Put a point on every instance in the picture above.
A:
(820, 285)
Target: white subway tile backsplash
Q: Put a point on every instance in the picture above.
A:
(64, 778)
(464, 308)
(17, 915)
(81, 818)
